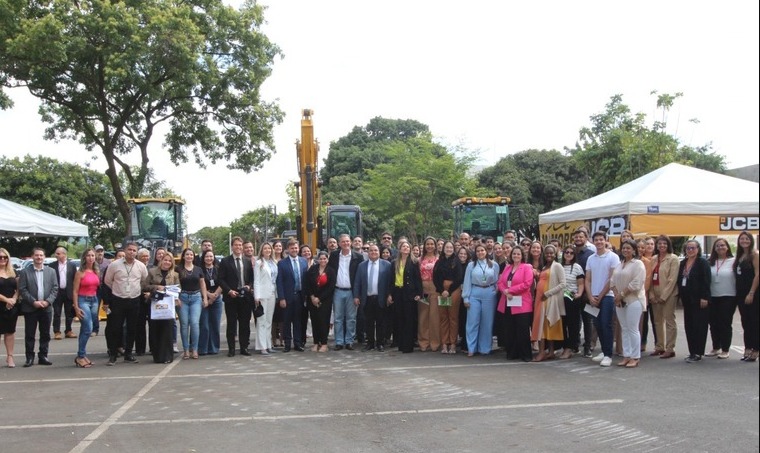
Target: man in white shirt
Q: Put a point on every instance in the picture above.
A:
(345, 262)
(599, 269)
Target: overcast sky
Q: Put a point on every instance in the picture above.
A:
(497, 77)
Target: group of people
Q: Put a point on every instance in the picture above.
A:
(445, 296)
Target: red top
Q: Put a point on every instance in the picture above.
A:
(88, 285)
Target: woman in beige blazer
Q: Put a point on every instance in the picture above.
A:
(663, 293)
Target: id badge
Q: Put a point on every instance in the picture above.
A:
(715, 278)
(738, 270)
(509, 283)
(656, 277)
(483, 280)
(211, 282)
(683, 281)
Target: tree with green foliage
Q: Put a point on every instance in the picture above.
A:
(258, 224)
(110, 73)
(619, 147)
(415, 188)
(537, 181)
(63, 189)
(358, 151)
(219, 236)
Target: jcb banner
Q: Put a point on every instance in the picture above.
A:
(692, 225)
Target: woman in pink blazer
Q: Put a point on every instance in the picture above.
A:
(515, 283)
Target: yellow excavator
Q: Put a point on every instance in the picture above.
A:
(309, 221)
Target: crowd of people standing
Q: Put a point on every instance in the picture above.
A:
(443, 296)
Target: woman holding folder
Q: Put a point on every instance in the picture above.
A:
(516, 302)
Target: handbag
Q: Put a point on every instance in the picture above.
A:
(162, 308)
(258, 312)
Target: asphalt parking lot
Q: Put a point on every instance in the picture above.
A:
(377, 402)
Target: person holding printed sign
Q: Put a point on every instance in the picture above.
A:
(161, 334)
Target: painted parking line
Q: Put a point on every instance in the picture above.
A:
(102, 427)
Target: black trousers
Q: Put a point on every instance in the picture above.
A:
(62, 303)
(571, 323)
(721, 317)
(305, 324)
(161, 339)
(143, 316)
(361, 324)
(320, 321)
(406, 317)
(238, 313)
(33, 320)
(517, 335)
(695, 322)
(291, 320)
(750, 322)
(374, 322)
(122, 310)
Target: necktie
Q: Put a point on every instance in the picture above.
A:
(239, 266)
(297, 274)
(371, 286)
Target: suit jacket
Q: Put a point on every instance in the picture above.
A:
(286, 280)
(71, 270)
(412, 280)
(384, 276)
(356, 259)
(697, 282)
(263, 286)
(27, 287)
(311, 288)
(229, 278)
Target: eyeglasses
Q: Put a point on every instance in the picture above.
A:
(569, 252)
(691, 248)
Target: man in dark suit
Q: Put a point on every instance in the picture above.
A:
(345, 262)
(236, 280)
(373, 278)
(65, 270)
(291, 273)
(38, 287)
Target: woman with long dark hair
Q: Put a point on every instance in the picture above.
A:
(694, 291)
(723, 302)
(428, 328)
(447, 277)
(319, 287)
(746, 269)
(192, 298)
(549, 306)
(479, 296)
(463, 256)
(575, 280)
(85, 292)
(405, 291)
(515, 286)
(662, 298)
(627, 284)
(209, 338)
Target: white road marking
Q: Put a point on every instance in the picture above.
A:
(102, 427)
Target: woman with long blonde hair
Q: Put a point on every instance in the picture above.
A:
(10, 305)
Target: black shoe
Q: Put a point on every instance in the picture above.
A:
(381, 348)
(231, 353)
(29, 362)
(587, 353)
(693, 358)
(338, 347)
(286, 349)
(367, 348)
(245, 352)
(349, 347)
(42, 360)
(393, 345)
(130, 358)
(139, 354)
(298, 348)
(111, 360)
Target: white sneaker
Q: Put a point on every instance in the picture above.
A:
(175, 349)
(713, 353)
(598, 358)
(723, 354)
(606, 361)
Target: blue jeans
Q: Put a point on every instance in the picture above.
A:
(89, 307)
(189, 319)
(210, 327)
(603, 324)
(345, 317)
(480, 320)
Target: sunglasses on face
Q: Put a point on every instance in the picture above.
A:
(691, 248)
(569, 252)
(2, 257)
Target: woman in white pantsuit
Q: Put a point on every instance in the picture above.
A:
(265, 293)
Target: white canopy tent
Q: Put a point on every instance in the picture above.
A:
(674, 200)
(19, 220)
